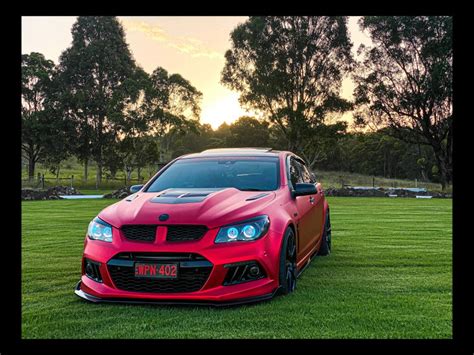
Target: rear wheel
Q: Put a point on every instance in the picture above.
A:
(288, 263)
(325, 248)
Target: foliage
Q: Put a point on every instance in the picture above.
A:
(101, 108)
(290, 68)
(405, 81)
(96, 74)
(248, 132)
(172, 101)
(41, 128)
(321, 140)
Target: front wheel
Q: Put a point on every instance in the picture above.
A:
(325, 248)
(288, 263)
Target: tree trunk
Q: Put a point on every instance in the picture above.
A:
(443, 154)
(385, 163)
(57, 176)
(86, 169)
(31, 167)
(99, 143)
(423, 175)
(99, 171)
(441, 163)
(444, 174)
(128, 172)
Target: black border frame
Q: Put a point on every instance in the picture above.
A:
(462, 341)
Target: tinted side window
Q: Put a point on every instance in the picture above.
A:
(295, 174)
(307, 176)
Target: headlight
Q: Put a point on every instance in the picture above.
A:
(251, 229)
(100, 230)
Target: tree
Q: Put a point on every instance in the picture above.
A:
(132, 125)
(147, 153)
(220, 136)
(248, 132)
(173, 101)
(135, 153)
(291, 69)
(321, 141)
(405, 81)
(94, 72)
(194, 141)
(159, 108)
(173, 107)
(36, 126)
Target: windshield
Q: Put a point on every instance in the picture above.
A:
(242, 173)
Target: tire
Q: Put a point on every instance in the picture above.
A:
(325, 248)
(288, 263)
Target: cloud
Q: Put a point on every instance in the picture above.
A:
(183, 44)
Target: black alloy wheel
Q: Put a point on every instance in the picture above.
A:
(325, 248)
(288, 263)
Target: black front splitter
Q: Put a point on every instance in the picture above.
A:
(94, 299)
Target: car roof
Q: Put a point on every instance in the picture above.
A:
(231, 152)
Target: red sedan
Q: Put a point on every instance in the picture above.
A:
(219, 227)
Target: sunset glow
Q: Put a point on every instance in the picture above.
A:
(191, 46)
(224, 108)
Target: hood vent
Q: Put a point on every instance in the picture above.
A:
(256, 197)
(131, 197)
(177, 196)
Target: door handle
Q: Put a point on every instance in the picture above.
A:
(311, 199)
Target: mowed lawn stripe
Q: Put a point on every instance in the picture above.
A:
(389, 276)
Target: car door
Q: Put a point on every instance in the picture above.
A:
(306, 224)
(317, 209)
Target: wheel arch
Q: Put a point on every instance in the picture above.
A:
(326, 209)
(291, 225)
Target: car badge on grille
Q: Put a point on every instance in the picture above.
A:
(163, 217)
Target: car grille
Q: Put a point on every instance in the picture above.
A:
(178, 233)
(193, 272)
(145, 233)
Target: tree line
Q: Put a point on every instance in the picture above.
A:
(371, 153)
(98, 105)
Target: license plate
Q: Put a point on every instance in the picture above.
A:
(156, 271)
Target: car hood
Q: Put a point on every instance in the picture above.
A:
(209, 207)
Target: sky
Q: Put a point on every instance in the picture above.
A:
(191, 46)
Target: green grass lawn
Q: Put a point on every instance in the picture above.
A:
(389, 276)
(335, 179)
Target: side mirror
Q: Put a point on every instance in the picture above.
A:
(135, 188)
(304, 189)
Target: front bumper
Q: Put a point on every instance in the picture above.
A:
(265, 251)
(177, 302)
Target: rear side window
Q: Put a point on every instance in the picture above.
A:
(299, 173)
(306, 174)
(295, 172)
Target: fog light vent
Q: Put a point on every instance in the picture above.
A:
(243, 272)
(92, 270)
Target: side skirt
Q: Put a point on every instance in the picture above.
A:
(311, 258)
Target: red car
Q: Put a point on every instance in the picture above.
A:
(219, 227)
